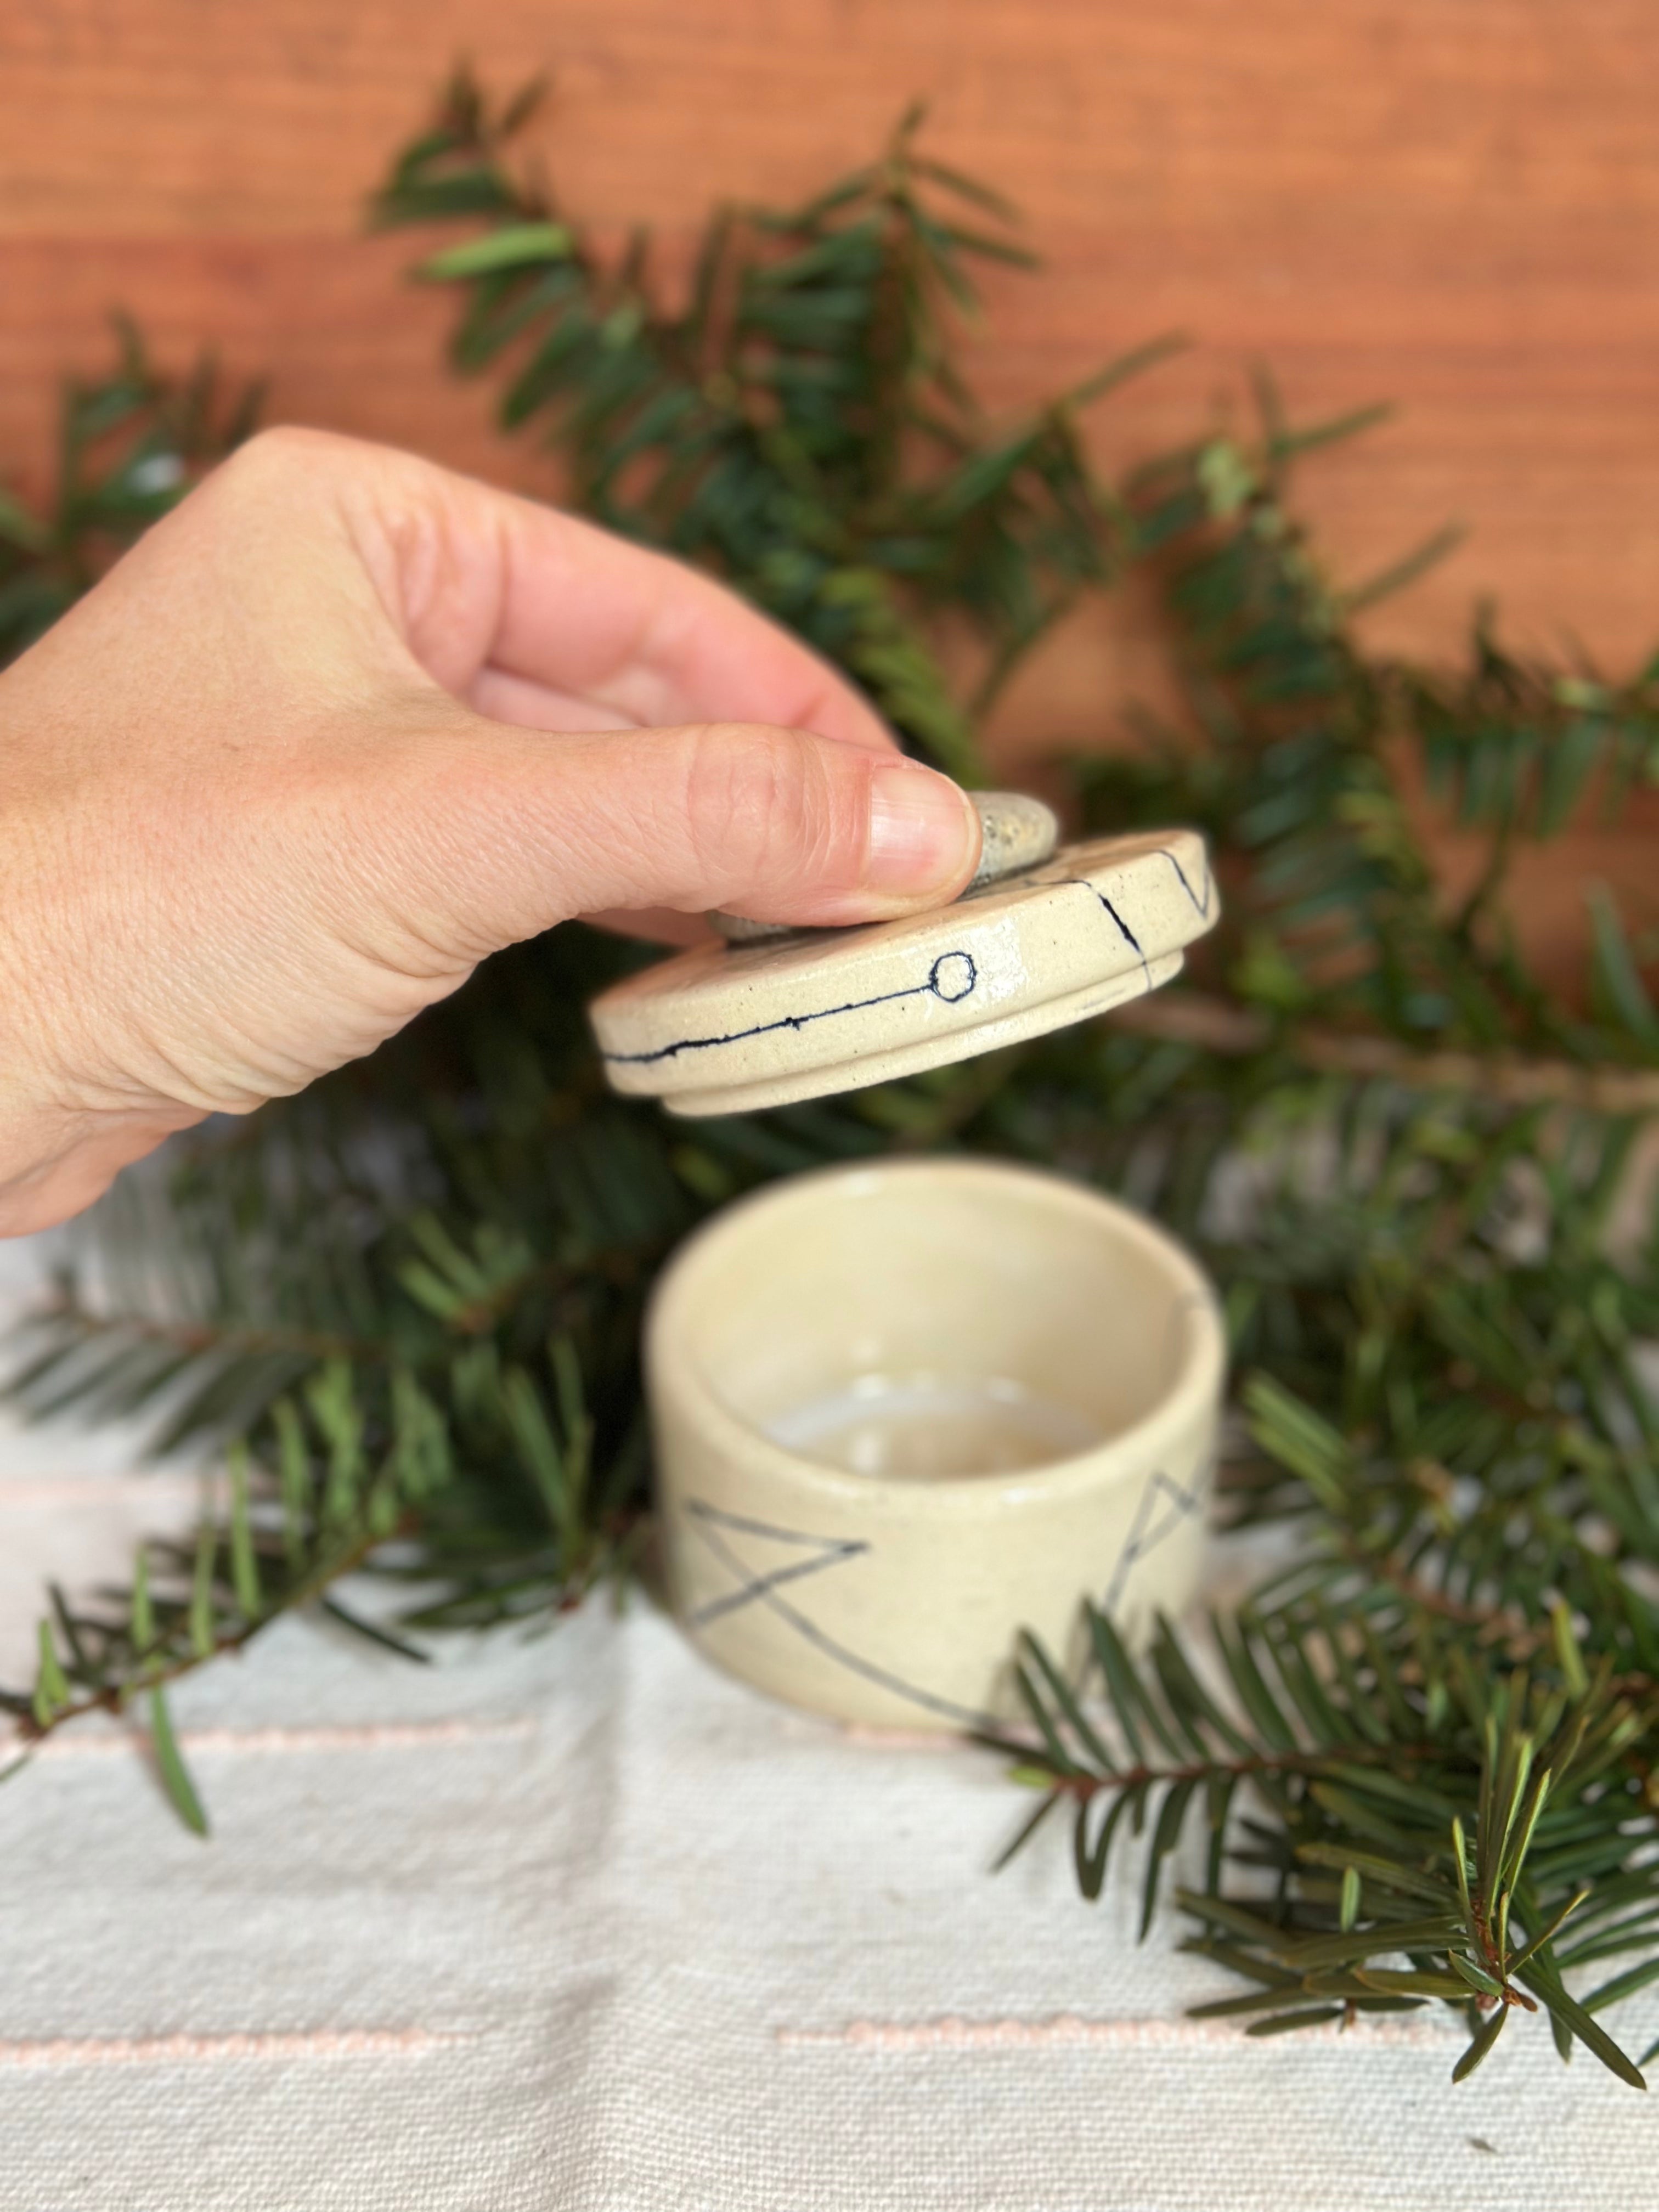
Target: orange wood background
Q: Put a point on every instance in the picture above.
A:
(1450, 204)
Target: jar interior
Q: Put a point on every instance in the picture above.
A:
(934, 1320)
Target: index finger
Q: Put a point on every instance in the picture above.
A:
(650, 641)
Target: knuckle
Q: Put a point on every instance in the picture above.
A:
(764, 808)
(283, 450)
(288, 467)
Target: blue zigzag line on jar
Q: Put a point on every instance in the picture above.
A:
(826, 1551)
(752, 1589)
(1144, 1535)
(941, 978)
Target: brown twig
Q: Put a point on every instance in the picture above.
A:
(1189, 1017)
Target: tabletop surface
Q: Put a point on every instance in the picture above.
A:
(575, 1924)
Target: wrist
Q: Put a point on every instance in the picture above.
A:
(59, 1150)
(55, 1163)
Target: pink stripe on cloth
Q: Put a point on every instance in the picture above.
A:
(191, 2049)
(382, 1735)
(954, 2034)
(31, 1493)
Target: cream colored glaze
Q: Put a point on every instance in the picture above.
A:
(893, 1600)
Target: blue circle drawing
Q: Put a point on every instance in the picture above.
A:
(952, 976)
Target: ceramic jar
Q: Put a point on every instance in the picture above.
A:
(902, 1410)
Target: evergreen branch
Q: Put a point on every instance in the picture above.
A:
(1398, 1822)
(1423, 1759)
(116, 1662)
(773, 428)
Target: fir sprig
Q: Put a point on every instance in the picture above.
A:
(798, 424)
(1413, 1832)
(422, 1374)
(130, 447)
(1422, 1759)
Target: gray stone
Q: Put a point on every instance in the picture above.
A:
(1019, 833)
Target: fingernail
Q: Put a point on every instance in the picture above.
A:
(924, 833)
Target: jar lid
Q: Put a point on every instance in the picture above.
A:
(729, 1028)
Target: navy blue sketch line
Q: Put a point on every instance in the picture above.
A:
(1201, 904)
(1124, 931)
(761, 1591)
(952, 977)
(827, 1552)
(1144, 1536)
(702, 1511)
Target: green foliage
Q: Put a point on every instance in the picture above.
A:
(422, 1373)
(1514, 748)
(1385, 1799)
(129, 447)
(1420, 1761)
(1291, 757)
(798, 424)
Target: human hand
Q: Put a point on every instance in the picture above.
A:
(343, 724)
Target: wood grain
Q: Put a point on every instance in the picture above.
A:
(1453, 207)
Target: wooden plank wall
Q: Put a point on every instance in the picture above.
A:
(1454, 206)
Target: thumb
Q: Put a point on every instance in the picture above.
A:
(522, 828)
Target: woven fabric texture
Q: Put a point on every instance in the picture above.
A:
(577, 1925)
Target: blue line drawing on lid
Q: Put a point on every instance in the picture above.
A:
(1202, 905)
(950, 979)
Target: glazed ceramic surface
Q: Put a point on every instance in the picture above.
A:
(731, 1027)
(901, 1410)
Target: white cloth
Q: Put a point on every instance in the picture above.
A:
(575, 1925)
